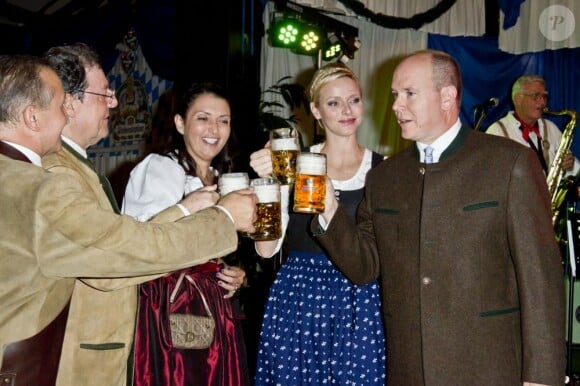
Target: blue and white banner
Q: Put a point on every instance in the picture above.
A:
(541, 25)
(138, 91)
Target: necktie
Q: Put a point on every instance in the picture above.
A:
(105, 184)
(428, 155)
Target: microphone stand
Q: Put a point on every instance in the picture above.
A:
(482, 114)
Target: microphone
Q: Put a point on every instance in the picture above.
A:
(480, 110)
(491, 102)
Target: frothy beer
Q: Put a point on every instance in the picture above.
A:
(229, 182)
(285, 149)
(310, 184)
(268, 226)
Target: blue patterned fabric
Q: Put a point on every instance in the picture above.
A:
(320, 329)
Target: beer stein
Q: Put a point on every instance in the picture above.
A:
(285, 148)
(268, 226)
(229, 182)
(310, 184)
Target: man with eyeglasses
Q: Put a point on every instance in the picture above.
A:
(52, 231)
(99, 332)
(527, 126)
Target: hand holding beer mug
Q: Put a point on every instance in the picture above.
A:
(229, 182)
(310, 184)
(269, 223)
(285, 149)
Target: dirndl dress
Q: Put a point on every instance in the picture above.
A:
(318, 327)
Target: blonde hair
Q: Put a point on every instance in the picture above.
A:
(327, 74)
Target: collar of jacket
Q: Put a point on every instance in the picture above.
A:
(453, 147)
(12, 152)
(78, 156)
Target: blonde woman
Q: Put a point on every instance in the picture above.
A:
(318, 327)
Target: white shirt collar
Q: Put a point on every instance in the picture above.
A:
(32, 156)
(75, 146)
(441, 143)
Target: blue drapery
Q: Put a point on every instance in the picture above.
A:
(488, 72)
(511, 11)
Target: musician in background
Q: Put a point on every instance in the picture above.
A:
(527, 126)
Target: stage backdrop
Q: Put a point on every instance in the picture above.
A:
(488, 70)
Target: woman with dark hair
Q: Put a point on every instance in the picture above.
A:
(169, 305)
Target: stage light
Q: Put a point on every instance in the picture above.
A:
(307, 31)
(301, 37)
(332, 47)
(349, 47)
(332, 52)
(285, 33)
(309, 43)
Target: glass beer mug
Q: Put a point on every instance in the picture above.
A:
(268, 226)
(310, 184)
(229, 182)
(285, 148)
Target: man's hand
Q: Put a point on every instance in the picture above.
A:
(261, 161)
(200, 199)
(241, 204)
(568, 162)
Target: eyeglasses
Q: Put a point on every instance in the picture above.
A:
(536, 96)
(110, 94)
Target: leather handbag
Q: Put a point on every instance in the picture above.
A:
(191, 331)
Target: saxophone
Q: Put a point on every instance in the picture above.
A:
(558, 190)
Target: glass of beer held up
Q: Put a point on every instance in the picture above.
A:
(269, 223)
(285, 149)
(310, 184)
(229, 182)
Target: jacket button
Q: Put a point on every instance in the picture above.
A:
(426, 280)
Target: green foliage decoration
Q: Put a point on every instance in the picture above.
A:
(270, 113)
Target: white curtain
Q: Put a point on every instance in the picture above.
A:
(464, 18)
(542, 25)
(374, 63)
